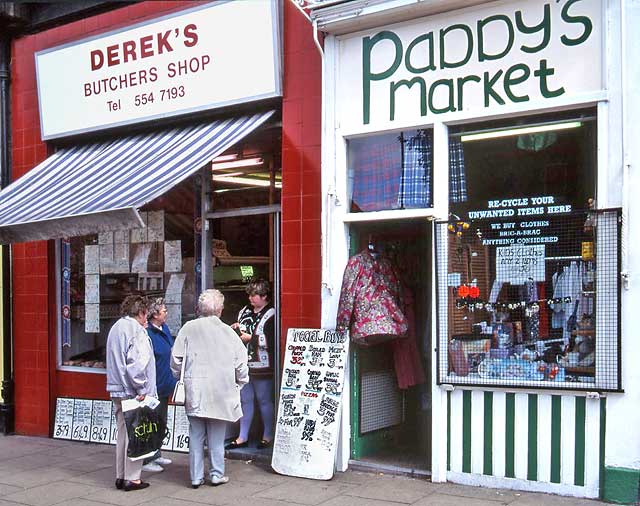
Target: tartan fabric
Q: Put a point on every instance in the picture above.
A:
(415, 187)
(377, 170)
(457, 176)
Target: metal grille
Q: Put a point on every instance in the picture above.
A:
(381, 402)
(530, 302)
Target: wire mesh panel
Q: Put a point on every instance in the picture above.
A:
(530, 301)
(381, 402)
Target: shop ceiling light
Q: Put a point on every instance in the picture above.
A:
(246, 181)
(495, 134)
(234, 164)
(225, 158)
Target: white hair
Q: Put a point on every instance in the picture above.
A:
(210, 303)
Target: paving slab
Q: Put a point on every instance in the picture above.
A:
(37, 477)
(491, 494)
(349, 500)
(305, 491)
(229, 493)
(394, 488)
(537, 499)
(111, 495)
(438, 499)
(8, 489)
(51, 493)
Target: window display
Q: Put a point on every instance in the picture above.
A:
(527, 267)
(100, 270)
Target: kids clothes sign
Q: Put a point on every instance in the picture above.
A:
(310, 403)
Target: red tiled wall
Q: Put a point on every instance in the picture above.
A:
(34, 299)
(301, 191)
(36, 380)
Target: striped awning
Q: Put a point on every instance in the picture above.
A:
(99, 187)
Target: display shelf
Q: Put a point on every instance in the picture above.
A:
(242, 260)
(583, 332)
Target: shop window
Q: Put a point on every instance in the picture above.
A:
(391, 171)
(528, 268)
(100, 270)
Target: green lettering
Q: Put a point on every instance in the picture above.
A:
(461, 81)
(448, 83)
(543, 72)
(451, 65)
(392, 95)
(407, 57)
(583, 20)
(510, 80)
(489, 92)
(482, 55)
(367, 76)
(544, 26)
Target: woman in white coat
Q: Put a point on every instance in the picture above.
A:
(215, 371)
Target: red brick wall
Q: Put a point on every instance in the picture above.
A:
(37, 382)
(301, 191)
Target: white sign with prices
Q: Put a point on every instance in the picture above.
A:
(215, 55)
(470, 62)
(310, 403)
(517, 264)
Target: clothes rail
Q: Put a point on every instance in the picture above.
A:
(574, 257)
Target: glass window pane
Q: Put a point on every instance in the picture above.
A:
(391, 171)
(100, 270)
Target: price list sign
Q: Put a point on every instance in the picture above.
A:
(180, 430)
(167, 443)
(310, 402)
(101, 422)
(64, 418)
(81, 430)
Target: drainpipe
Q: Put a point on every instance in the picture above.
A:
(7, 405)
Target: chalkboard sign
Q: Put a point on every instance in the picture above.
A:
(101, 422)
(310, 403)
(64, 418)
(81, 430)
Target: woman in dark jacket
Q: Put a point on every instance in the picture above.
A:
(162, 342)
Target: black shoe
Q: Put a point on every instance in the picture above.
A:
(119, 483)
(263, 444)
(233, 445)
(131, 485)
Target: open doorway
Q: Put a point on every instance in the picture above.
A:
(391, 399)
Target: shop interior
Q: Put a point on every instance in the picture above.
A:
(391, 401)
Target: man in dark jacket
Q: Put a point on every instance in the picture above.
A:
(162, 343)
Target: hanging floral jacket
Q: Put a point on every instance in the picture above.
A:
(370, 300)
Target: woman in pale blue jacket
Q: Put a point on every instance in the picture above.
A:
(215, 369)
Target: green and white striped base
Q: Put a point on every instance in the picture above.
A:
(539, 442)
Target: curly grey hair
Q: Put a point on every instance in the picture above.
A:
(133, 305)
(155, 306)
(210, 303)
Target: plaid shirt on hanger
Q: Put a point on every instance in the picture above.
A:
(377, 177)
(457, 175)
(415, 187)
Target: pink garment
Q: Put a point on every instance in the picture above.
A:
(406, 355)
(370, 299)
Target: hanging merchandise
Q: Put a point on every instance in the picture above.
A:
(370, 301)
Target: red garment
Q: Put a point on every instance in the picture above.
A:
(406, 355)
(543, 315)
(369, 299)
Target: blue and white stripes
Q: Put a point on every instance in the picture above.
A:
(124, 173)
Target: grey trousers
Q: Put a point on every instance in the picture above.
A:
(214, 430)
(125, 467)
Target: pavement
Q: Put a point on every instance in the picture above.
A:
(43, 472)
